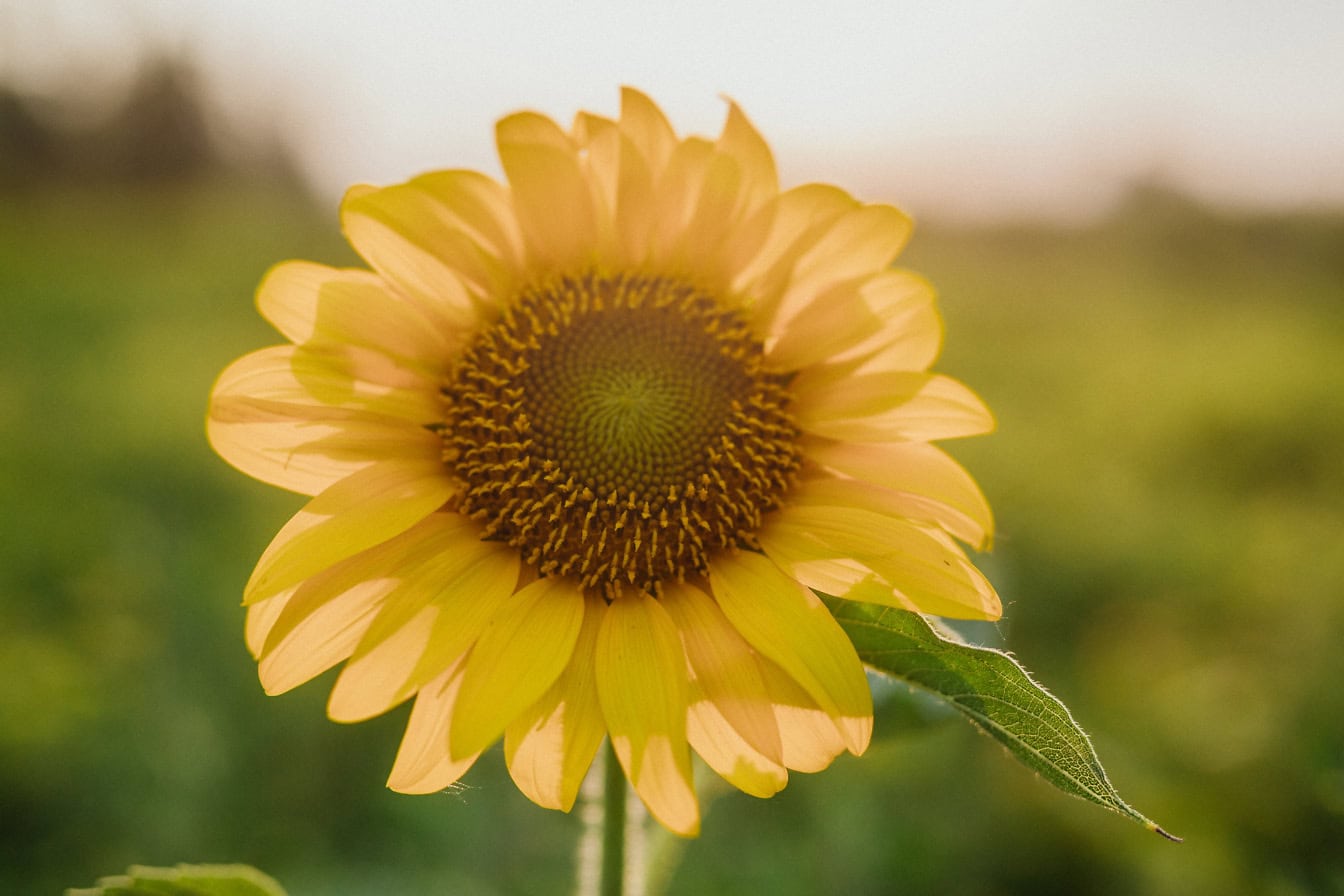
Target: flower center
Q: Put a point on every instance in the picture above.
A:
(618, 429)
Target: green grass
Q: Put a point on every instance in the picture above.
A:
(1166, 478)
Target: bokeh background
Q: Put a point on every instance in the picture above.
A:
(1134, 214)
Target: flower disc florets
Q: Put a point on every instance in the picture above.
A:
(618, 429)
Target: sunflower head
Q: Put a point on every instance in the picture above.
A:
(583, 446)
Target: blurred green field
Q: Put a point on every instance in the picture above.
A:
(1167, 477)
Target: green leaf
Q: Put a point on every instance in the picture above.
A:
(992, 690)
(185, 880)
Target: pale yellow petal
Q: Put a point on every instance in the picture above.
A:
(856, 245)
(599, 142)
(701, 246)
(829, 325)
(911, 333)
(261, 618)
(550, 193)
(886, 406)
(635, 208)
(729, 754)
(318, 640)
(436, 290)
(319, 622)
(551, 744)
(890, 320)
(441, 603)
(368, 507)
(641, 684)
(647, 128)
(310, 302)
(741, 141)
(327, 378)
(730, 721)
(307, 448)
(423, 764)
(676, 197)
(830, 491)
(810, 737)
(913, 566)
(915, 468)
(764, 252)
(447, 238)
(372, 680)
(724, 666)
(789, 625)
(519, 656)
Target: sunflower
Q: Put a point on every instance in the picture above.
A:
(582, 451)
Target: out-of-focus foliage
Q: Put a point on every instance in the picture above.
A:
(1170, 495)
(184, 880)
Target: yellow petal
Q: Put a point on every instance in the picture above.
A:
(372, 680)
(730, 721)
(789, 625)
(728, 754)
(329, 379)
(447, 239)
(441, 603)
(307, 448)
(423, 764)
(890, 320)
(911, 333)
(551, 744)
(368, 507)
(764, 252)
(744, 143)
(635, 207)
(714, 216)
(318, 640)
(915, 468)
(261, 618)
(466, 606)
(886, 406)
(810, 737)
(723, 665)
(550, 194)
(321, 621)
(310, 302)
(647, 128)
(916, 565)
(641, 684)
(676, 196)
(519, 656)
(857, 244)
(598, 140)
(834, 321)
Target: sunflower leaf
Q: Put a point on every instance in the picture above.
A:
(184, 880)
(991, 689)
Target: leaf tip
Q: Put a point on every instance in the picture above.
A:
(1157, 829)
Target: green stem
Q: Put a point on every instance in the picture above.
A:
(613, 826)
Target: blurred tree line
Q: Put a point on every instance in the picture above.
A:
(162, 131)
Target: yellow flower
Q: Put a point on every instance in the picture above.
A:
(583, 446)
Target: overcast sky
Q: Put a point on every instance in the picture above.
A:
(970, 109)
